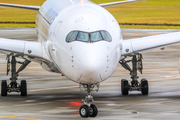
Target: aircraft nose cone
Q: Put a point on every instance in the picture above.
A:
(91, 61)
(91, 65)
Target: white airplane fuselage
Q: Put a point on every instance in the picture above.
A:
(81, 62)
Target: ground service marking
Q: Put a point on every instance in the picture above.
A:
(21, 117)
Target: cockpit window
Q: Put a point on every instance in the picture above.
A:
(82, 36)
(71, 36)
(89, 37)
(106, 36)
(96, 36)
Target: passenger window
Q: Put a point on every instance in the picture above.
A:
(82, 36)
(96, 36)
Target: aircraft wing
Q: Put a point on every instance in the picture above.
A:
(36, 8)
(140, 44)
(117, 3)
(30, 50)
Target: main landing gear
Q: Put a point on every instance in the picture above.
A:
(13, 86)
(135, 85)
(88, 109)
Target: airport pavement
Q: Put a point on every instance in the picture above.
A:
(54, 97)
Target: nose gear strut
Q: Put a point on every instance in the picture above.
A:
(13, 86)
(88, 109)
(136, 66)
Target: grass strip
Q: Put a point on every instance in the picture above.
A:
(147, 24)
(11, 22)
(159, 14)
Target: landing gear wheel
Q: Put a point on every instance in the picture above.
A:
(144, 87)
(23, 88)
(84, 111)
(93, 111)
(124, 87)
(3, 88)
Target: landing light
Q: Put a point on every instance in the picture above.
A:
(82, 1)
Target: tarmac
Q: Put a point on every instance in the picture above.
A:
(54, 97)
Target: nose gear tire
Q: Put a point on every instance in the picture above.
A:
(93, 111)
(84, 111)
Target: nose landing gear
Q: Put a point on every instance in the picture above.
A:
(88, 109)
(135, 85)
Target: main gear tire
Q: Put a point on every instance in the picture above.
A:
(124, 87)
(3, 88)
(144, 87)
(23, 88)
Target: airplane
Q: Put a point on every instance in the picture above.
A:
(83, 41)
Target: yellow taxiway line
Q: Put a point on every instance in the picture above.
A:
(21, 117)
